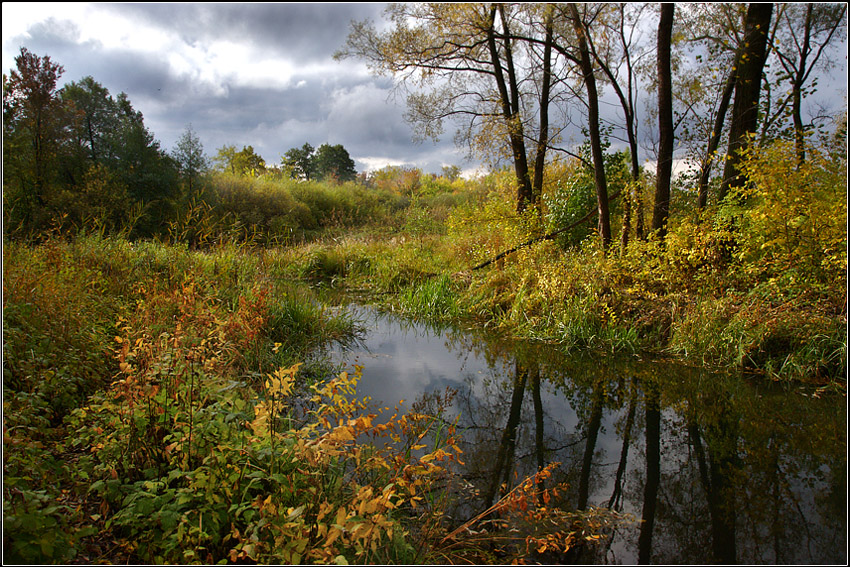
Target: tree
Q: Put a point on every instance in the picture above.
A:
(190, 158)
(617, 57)
(803, 33)
(704, 86)
(665, 122)
(35, 113)
(748, 77)
(451, 172)
(586, 63)
(469, 63)
(325, 163)
(545, 95)
(301, 162)
(242, 162)
(334, 163)
(96, 116)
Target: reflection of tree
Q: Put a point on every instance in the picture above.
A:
(539, 447)
(762, 474)
(509, 434)
(504, 458)
(597, 401)
(653, 470)
(718, 467)
(793, 450)
(615, 503)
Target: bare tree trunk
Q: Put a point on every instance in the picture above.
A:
(665, 122)
(509, 97)
(747, 88)
(627, 103)
(543, 139)
(593, 125)
(714, 140)
(797, 95)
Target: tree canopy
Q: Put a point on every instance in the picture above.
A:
(501, 71)
(327, 163)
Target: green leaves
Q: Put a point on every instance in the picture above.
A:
(328, 163)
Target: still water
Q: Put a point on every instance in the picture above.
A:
(718, 468)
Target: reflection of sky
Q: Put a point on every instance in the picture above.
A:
(401, 361)
(404, 361)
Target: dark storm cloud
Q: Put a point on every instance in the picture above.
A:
(120, 70)
(311, 98)
(309, 32)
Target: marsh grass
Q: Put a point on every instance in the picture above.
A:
(156, 411)
(434, 299)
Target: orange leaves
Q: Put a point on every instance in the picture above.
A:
(354, 488)
(526, 509)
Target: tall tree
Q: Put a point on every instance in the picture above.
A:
(745, 108)
(301, 162)
(544, 101)
(803, 33)
(467, 62)
(665, 122)
(704, 88)
(334, 163)
(617, 54)
(507, 83)
(714, 139)
(96, 114)
(585, 60)
(36, 112)
(242, 162)
(190, 158)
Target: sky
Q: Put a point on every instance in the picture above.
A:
(249, 74)
(241, 74)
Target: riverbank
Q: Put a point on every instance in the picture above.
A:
(149, 390)
(672, 301)
(156, 411)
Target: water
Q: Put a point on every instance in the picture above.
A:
(719, 468)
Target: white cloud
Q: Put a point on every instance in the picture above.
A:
(373, 163)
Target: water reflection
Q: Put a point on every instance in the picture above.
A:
(719, 469)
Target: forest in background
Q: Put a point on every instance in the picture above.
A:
(141, 285)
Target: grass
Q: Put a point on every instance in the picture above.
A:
(156, 410)
(154, 405)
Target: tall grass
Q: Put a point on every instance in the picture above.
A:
(155, 411)
(434, 299)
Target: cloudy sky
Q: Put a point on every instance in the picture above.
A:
(240, 74)
(249, 74)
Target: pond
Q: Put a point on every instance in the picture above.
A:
(719, 468)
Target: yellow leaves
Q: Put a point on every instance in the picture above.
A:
(341, 434)
(342, 515)
(280, 383)
(438, 455)
(795, 212)
(363, 422)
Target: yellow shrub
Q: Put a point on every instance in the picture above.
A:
(796, 215)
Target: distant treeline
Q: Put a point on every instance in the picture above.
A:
(76, 158)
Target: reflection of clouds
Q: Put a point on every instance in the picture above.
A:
(403, 360)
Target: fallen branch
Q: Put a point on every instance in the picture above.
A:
(549, 236)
